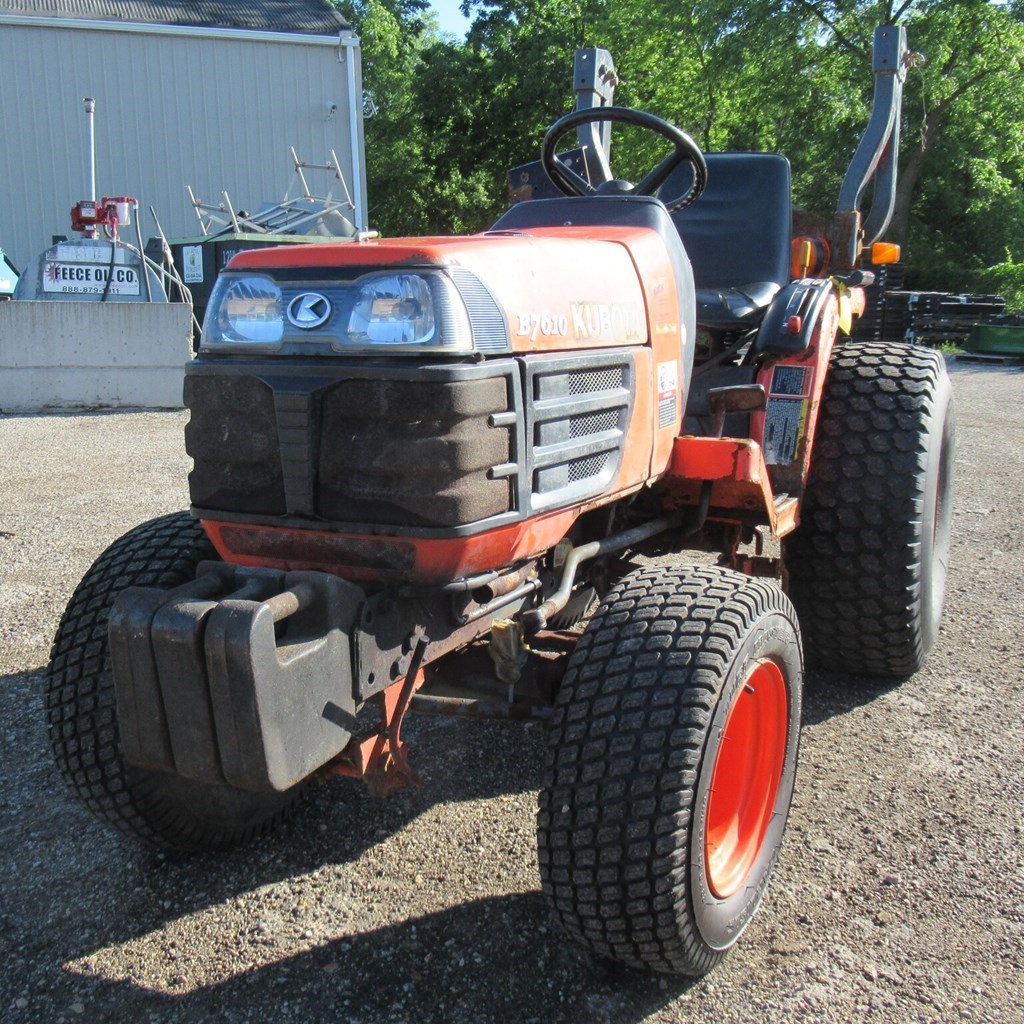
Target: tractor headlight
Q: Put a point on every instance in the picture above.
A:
(407, 311)
(393, 311)
(245, 310)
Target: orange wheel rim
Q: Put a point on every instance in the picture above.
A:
(745, 779)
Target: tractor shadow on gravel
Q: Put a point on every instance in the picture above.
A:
(499, 958)
(458, 760)
(484, 959)
(829, 694)
(492, 958)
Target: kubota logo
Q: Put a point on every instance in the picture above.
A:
(309, 310)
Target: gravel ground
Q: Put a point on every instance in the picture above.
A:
(900, 895)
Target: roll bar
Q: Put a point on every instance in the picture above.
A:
(594, 79)
(876, 155)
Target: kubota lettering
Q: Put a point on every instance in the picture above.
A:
(602, 321)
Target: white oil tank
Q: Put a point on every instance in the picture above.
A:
(89, 270)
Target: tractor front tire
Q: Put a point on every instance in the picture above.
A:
(867, 564)
(160, 809)
(670, 767)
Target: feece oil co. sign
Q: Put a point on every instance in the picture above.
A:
(76, 269)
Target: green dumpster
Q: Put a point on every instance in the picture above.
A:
(996, 339)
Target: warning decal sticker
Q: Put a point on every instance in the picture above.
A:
(668, 388)
(784, 423)
(789, 380)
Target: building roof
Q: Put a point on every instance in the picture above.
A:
(310, 17)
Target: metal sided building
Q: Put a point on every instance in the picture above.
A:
(207, 94)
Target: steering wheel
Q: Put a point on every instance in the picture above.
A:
(569, 183)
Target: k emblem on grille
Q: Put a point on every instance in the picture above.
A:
(309, 310)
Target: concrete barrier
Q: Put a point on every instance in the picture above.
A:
(74, 354)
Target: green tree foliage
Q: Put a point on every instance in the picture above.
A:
(965, 208)
(396, 161)
(789, 76)
(959, 205)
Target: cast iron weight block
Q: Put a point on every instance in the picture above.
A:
(242, 676)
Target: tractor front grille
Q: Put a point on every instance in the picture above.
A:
(233, 440)
(413, 453)
(354, 446)
(578, 419)
(459, 446)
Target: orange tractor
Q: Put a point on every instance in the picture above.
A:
(419, 463)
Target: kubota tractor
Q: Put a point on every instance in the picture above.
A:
(418, 462)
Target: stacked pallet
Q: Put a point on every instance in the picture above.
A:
(937, 318)
(922, 318)
(870, 325)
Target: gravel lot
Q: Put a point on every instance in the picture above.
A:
(900, 896)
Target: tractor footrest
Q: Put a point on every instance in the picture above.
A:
(241, 676)
(741, 484)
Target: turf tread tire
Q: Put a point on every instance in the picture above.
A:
(624, 757)
(867, 565)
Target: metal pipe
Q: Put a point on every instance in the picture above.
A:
(351, 55)
(465, 707)
(537, 618)
(196, 206)
(877, 153)
(298, 170)
(290, 601)
(142, 256)
(341, 177)
(468, 583)
(524, 590)
(231, 212)
(90, 117)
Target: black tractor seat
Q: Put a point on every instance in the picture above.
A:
(737, 235)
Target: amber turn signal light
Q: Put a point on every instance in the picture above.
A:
(885, 252)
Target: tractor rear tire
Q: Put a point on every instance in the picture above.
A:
(670, 765)
(867, 565)
(160, 809)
